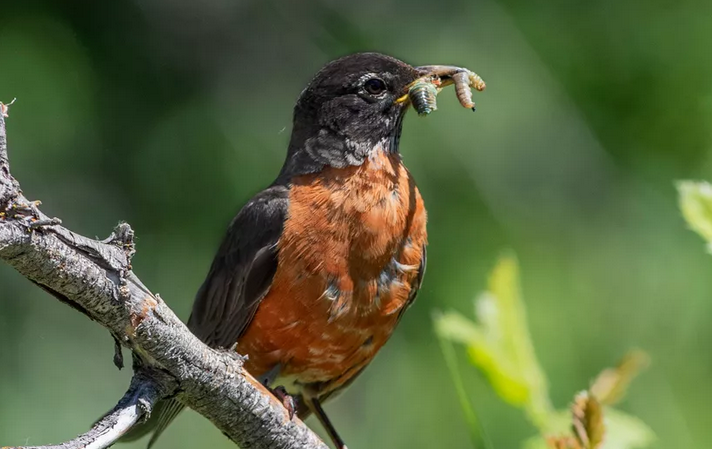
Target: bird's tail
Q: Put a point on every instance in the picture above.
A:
(164, 412)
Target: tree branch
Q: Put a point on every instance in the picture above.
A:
(95, 278)
(136, 404)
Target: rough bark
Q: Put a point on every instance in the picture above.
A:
(95, 278)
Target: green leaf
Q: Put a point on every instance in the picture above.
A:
(623, 431)
(455, 327)
(500, 343)
(696, 205)
(506, 352)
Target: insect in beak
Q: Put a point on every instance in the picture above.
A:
(423, 91)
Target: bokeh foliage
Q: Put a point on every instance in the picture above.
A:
(500, 345)
(170, 114)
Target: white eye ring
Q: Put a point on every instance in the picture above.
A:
(375, 86)
(372, 85)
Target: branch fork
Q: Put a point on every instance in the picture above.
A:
(95, 278)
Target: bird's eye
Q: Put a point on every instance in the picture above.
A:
(375, 86)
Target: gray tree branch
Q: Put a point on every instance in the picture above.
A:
(95, 278)
(136, 403)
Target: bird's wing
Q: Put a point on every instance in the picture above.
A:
(242, 271)
(240, 276)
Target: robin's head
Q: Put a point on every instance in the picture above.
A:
(350, 107)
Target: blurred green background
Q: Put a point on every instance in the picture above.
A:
(170, 114)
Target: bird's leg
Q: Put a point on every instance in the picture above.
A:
(315, 407)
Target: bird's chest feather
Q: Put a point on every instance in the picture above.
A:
(350, 250)
(356, 234)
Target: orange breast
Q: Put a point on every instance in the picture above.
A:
(350, 250)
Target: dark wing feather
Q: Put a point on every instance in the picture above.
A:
(242, 270)
(239, 278)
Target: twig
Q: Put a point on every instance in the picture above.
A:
(95, 278)
(135, 406)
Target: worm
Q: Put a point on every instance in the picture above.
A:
(463, 82)
(423, 94)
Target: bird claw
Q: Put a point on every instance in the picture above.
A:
(286, 399)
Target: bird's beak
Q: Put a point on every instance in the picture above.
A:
(445, 73)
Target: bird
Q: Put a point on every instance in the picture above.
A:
(316, 271)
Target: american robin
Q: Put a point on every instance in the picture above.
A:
(316, 271)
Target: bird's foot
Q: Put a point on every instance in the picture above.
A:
(286, 399)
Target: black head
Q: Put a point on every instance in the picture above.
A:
(351, 106)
